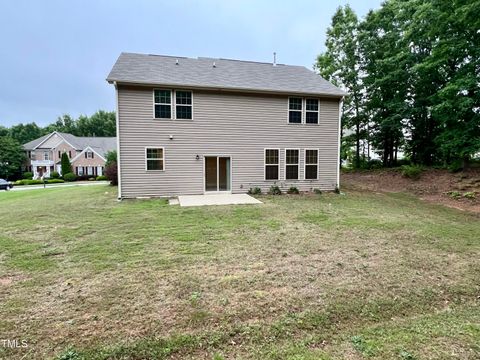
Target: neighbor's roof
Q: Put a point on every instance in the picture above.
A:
(100, 144)
(226, 74)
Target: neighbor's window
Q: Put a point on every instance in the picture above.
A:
(295, 110)
(183, 104)
(46, 155)
(291, 164)
(311, 164)
(272, 164)
(311, 111)
(89, 155)
(155, 158)
(59, 154)
(80, 170)
(89, 170)
(163, 104)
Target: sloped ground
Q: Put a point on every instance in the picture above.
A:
(353, 276)
(457, 190)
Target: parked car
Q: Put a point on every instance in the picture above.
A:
(5, 185)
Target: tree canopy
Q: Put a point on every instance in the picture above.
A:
(412, 70)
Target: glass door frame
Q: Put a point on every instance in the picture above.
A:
(218, 191)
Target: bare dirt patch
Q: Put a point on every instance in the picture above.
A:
(435, 185)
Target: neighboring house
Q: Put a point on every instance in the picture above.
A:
(194, 126)
(86, 154)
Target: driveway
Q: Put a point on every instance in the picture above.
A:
(51, 186)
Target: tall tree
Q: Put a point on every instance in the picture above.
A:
(386, 62)
(65, 164)
(12, 157)
(340, 64)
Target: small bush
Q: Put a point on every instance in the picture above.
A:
(455, 167)
(274, 190)
(101, 178)
(411, 171)
(55, 181)
(69, 177)
(317, 191)
(454, 194)
(254, 191)
(55, 175)
(293, 190)
(469, 195)
(27, 175)
(28, 182)
(111, 172)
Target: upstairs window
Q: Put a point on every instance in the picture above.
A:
(46, 155)
(154, 158)
(311, 164)
(295, 110)
(163, 104)
(291, 164)
(183, 102)
(311, 111)
(89, 155)
(272, 164)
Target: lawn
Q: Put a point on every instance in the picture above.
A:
(359, 275)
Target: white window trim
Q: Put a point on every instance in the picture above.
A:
(265, 164)
(173, 104)
(298, 165)
(305, 163)
(312, 111)
(89, 154)
(175, 101)
(162, 158)
(301, 111)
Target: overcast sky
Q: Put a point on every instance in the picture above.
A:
(55, 55)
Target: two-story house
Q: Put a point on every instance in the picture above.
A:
(194, 126)
(86, 154)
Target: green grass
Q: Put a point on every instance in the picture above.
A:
(360, 275)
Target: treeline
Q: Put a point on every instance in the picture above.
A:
(412, 69)
(101, 123)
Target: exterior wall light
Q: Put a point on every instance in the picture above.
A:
(197, 157)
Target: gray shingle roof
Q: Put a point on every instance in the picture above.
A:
(100, 144)
(227, 74)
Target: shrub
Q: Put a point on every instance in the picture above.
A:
(411, 171)
(65, 164)
(293, 190)
(28, 182)
(54, 175)
(317, 191)
(111, 172)
(27, 175)
(455, 167)
(469, 195)
(454, 194)
(101, 178)
(55, 181)
(274, 190)
(69, 177)
(255, 191)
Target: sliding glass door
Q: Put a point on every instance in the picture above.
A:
(217, 173)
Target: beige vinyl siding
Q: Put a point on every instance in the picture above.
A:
(238, 125)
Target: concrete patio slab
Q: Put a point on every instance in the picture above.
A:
(217, 199)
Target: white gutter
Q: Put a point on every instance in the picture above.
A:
(117, 122)
(339, 164)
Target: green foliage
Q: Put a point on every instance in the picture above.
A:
(255, 191)
(408, 76)
(455, 166)
(110, 156)
(111, 172)
(12, 157)
(274, 190)
(469, 195)
(101, 178)
(454, 194)
(55, 181)
(317, 191)
(65, 164)
(27, 175)
(38, 182)
(54, 175)
(70, 354)
(69, 176)
(293, 190)
(411, 171)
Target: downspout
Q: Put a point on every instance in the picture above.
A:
(117, 122)
(339, 164)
